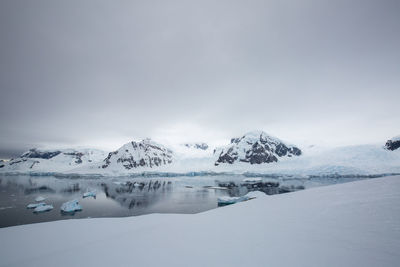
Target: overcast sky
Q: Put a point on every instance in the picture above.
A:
(102, 73)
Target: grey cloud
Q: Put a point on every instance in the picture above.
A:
(76, 71)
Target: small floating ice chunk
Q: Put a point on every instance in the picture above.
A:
(222, 201)
(255, 194)
(230, 200)
(35, 205)
(71, 206)
(215, 187)
(39, 198)
(89, 194)
(4, 208)
(252, 180)
(43, 208)
(119, 183)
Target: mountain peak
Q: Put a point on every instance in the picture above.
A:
(145, 153)
(256, 147)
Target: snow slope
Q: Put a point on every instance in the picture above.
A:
(352, 224)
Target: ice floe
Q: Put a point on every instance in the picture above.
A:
(43, 208)
(89, 194)
(39, 199)
(252, 180)
(225, 200)
(35, 205)
(71, 206)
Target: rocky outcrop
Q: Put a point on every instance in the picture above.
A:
(35, 153)
(145, 153)
(393, 143)
(255, 148)
(201, 146)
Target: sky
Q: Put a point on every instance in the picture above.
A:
(103, 73)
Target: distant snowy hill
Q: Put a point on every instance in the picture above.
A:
(393, 144)
(255, 153)
(255, 148)
(39, 160)
(145, 153)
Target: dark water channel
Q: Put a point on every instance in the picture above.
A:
(132, 196)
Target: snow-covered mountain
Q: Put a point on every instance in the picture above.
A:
(145, 153)
(55, 160)
(255, 148)
(254, 153)
(393, 143)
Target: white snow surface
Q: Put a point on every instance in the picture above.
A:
(352, 224)
(396, 138)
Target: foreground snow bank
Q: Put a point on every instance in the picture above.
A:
(352, 224)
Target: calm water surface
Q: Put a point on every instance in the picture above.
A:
(120, 197)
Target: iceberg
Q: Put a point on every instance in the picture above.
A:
(89, 194)
(71, 206)
(43, 208)
(35, 205)
(215, 187)
(223, 201)
(39, 198)
(252, 180)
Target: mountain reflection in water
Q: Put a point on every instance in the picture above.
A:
(120, 197)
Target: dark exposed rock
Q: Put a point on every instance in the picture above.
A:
(201, 146)
(33, 164)
(393, 144)
(34, 153)
(16, 161)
